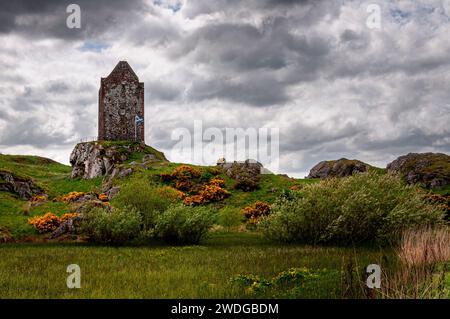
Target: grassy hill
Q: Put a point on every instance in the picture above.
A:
(54, 179)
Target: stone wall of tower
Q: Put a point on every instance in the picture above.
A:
(121, 98)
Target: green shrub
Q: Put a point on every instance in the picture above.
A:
(205, 176)
(116, 227)
(364, 207)
(147, 199)
(229, 217)
(181, 224)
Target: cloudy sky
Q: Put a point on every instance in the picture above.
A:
(321, 71)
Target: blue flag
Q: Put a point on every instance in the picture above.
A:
(138, 119)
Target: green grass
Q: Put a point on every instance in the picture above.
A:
(52, 176)
(39, 270)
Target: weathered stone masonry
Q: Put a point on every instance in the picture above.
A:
(121, 98)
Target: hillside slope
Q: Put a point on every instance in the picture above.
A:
(54, 178)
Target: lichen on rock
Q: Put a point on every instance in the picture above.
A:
(22, 186)
(99, 158)
(430, 170)
(337, 168)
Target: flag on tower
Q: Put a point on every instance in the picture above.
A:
(138, 119)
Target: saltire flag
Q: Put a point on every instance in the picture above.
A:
(138, 119)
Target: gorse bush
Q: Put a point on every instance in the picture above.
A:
(181, 224)
(116, 227)
(255, 212)
(47, 223)
(364, 207)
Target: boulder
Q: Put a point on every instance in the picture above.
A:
(24, 187)
(246, 174)
(95, 159)
(337, 168)
(67, 226)
(429, 170)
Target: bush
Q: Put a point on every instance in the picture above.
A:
(146, 199)
(70, 197)
(185, 172)
(47, 223)
(181, 224)
(116, 227)
(255, 212)
(229, 217)
(207, 194)
(364, 207)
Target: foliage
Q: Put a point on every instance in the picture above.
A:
(229, 217)
(116, 227)
(68, 216)
(70, 197)
(145, 198)
(38, 198)
(181, 224)
(43, 224)
(364, 207)
(217, 181)
(49, 222)
(185, 172)
(209, 193)
(170, 193)
(103, 197)
(284, 284)
(255, 212)
(443, 200)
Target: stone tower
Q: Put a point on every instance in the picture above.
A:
(121, 106)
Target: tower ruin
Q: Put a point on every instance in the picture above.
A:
(121, 106)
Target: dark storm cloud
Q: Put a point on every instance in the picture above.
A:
(47, 18)
(257, 90)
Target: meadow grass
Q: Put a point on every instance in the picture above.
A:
(161, 271)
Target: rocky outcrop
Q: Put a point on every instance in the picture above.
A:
(246, 174)
(67, 226)
(430, 170)
(24, 187)
(338, 168)
(94, 159)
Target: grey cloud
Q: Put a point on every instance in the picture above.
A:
(239, 64)
(48, 18)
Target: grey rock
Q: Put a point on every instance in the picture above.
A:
(66, 227)
(95, 159)
(125, 172)
(112, 192)
(337, 168)
(149, 158)
(24, 187)
(430, 170)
